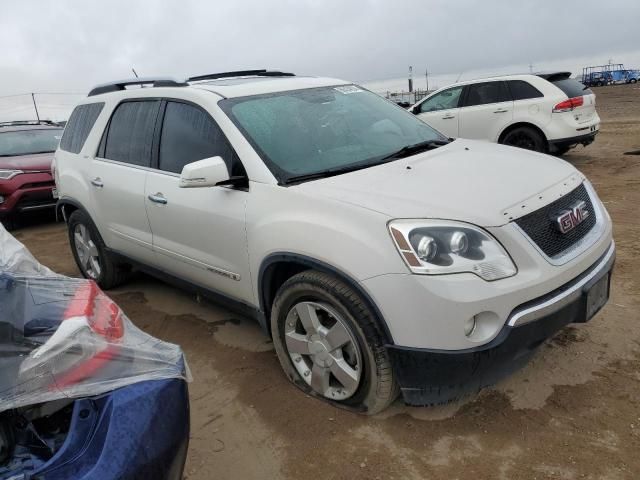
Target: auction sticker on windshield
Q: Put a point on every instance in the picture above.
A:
(348, 89)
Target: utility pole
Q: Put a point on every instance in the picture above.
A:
(35, 107)
(410, 79)
(530, 67)
(426, 76)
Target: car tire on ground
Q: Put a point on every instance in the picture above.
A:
(90, 253)
(527, 138)
(330, 345)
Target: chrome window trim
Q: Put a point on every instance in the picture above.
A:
(564, 298)
(581, 245)
(137, 167)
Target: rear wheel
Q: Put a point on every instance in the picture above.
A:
(90, 253)
(330, 345)
(527, 138)
(633, 80)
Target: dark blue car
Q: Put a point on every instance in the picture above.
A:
(84, 394)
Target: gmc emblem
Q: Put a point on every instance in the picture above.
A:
(568, 219)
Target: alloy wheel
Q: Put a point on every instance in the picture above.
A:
(87, 251)
(323, 350)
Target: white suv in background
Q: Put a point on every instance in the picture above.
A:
(377, 254)
(548, 113)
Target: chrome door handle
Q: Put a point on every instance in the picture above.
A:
(501, 111)
(97, 182)
(158, 198)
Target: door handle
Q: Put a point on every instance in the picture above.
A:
(448, 117)
(97, 182)
(158, 198)
(501, 111)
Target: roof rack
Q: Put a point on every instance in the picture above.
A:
(172, 82)
(122, 84)
(18, 123)
(241, 73)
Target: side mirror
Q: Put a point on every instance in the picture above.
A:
(415, 110)
(204, 173)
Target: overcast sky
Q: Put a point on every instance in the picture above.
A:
(68, 46)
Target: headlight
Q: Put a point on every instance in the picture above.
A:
(9, 174)
(437, 247)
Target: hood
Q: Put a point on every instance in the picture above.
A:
(39, 161)
(471, 181)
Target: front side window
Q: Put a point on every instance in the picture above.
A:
(79, 125)
(29, 142)
(305, 132)
(442, 101)
(129, 137)
(189, 134)
(486, 93)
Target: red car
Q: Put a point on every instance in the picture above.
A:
(26, 152)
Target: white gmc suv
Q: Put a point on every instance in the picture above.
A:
(377, 254)
(547, 113)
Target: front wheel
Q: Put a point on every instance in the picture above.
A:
(330, 345)
(90, 253)
(527, 138)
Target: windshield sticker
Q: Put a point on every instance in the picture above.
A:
(348, 89)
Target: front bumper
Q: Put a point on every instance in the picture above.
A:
(26, 192)
(430, 376)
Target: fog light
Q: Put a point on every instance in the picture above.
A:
(470, 326)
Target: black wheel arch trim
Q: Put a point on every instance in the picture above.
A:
(264, 284)
(515, 125)
(68, 201)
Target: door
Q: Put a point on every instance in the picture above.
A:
(487, 108)
(198, 233)
(117, 179)
(441, 111)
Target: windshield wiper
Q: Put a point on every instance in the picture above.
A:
(415, 148)
(403, 152)
(324, 174)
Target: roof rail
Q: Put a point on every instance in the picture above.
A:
(241, 73)
(122, 84)
(14, 123)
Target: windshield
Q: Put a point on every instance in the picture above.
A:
(303, 132)
(26, 142)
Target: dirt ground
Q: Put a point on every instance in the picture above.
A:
(572, 413)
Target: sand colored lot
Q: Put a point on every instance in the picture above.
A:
(572, 413)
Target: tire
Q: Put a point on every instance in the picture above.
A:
(90, 253)
(633, 80)
(527, 138)
(346, 320)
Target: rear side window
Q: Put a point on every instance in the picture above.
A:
(189, 134)
(486, 93)
(129, 137)
(79, 125)
(572, 87)
(521, 90)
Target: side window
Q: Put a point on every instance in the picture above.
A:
(189, 134)
(79, 126)
(442, 101)
(521, 90)
(485, 93)
(129, 137)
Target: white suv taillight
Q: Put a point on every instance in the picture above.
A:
(568, 105)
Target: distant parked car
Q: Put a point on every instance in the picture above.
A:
(548, 113)
(26, 152)
(84, 394)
